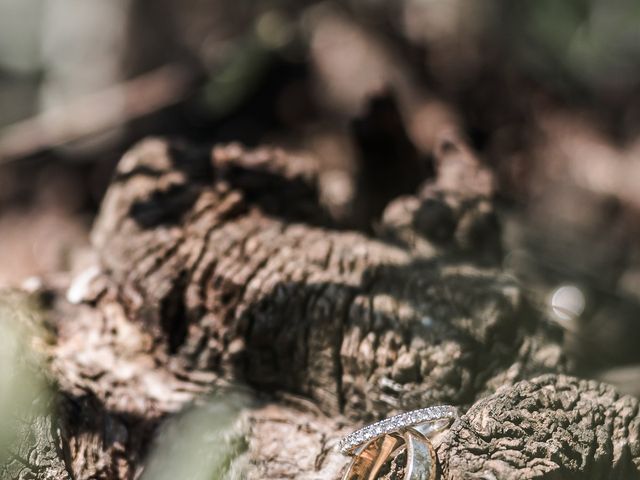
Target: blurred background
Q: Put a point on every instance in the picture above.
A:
(547, 92)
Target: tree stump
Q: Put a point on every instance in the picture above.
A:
(222, 268)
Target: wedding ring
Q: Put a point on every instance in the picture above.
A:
(421, 457)
(372, 457)
(426, 420)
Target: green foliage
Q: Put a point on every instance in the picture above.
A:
(23, 391)
(203, 443)
(590, 44)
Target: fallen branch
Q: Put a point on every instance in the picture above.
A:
(96, 113)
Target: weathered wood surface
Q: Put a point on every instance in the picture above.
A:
(223, 266)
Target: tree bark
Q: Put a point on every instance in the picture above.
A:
(218, 268)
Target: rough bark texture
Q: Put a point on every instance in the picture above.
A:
(224, 266)
(211, 256)
(550, 427)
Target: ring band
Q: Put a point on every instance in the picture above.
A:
(368, 463)
(349, 444)
(421, 457)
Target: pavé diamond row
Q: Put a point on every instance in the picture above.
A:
(393, 424)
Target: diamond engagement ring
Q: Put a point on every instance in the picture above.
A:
(376, 444)
(424, 420)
